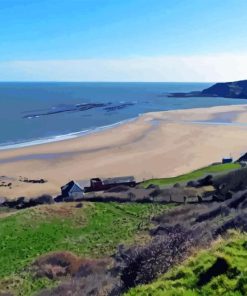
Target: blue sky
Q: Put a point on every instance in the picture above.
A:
(121, 39)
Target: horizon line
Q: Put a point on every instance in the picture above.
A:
(98, 81)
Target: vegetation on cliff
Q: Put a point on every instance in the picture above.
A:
(219, 270)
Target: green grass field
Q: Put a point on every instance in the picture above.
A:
(182, 280)
(94, 230)
(212, 169)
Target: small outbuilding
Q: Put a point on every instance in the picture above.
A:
(73, 190)
(227, 160)
(97, 184)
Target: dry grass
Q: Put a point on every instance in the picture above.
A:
(60, 264)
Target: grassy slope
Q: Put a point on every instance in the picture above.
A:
(182, 280)
(212, 169)
(92, 231)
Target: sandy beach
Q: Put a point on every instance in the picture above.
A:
(160, 144)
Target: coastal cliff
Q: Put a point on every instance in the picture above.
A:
(236, 89)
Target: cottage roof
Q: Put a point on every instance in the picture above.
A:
(118, 180)
(67, 187)
(243, 157)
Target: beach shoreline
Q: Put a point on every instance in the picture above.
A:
(156, 144)
(63, 137)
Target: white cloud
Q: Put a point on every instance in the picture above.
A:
(225, 67)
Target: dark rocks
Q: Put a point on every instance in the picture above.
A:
(22, 202)
(34, 181)
(66, 108)
(15, 203)
(4, 184)
(118, 107)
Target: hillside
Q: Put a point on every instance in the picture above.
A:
(236, 89)
(91, 231)
(149, 246)
(219, 270)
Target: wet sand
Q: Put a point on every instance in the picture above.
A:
(160, 144)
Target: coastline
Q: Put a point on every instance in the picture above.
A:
(63, 137)
(157, 144)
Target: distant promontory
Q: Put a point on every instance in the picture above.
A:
(236, 89)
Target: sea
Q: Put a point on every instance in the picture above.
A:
(35, 113)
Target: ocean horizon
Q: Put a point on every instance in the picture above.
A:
(40, 112)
